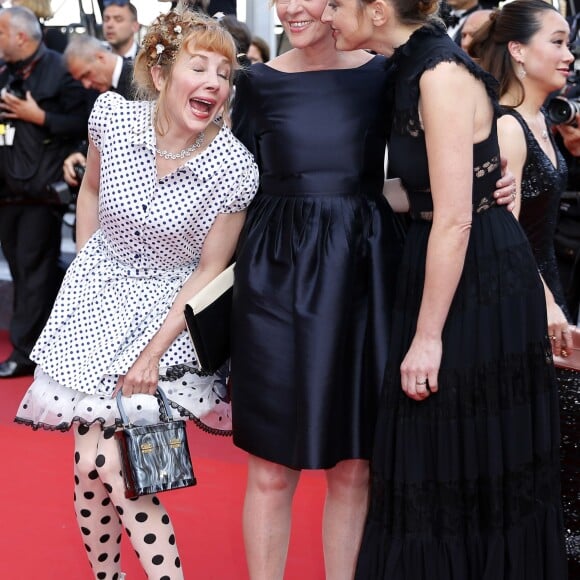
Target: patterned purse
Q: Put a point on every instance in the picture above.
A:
(154, 457)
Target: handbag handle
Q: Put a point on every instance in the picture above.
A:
(160, 394)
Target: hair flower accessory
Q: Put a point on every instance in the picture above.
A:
(159, 48)
(177, 29)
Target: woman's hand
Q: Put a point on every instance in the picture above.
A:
(420, 368)
(142, 377)
(558, 330)
(505, 194)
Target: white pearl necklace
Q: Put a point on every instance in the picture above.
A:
(184, 152)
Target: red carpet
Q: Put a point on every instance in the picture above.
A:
(39, 536)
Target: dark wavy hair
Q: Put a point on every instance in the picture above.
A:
(517, 21)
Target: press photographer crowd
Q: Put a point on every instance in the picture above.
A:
(374, 230)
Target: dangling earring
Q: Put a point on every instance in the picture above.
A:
(522, 72)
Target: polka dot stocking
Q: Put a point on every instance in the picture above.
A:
(102, 509)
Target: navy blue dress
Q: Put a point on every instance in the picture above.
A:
(465, 484)
(316, 265)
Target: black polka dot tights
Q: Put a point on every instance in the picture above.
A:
(103, 510)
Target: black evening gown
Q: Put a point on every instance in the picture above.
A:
(542, 186)
(465, 485)
(315, 267)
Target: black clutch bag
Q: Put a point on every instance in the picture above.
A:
(155, 457)
(208, 318)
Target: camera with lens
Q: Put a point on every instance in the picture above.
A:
(15, 87)
(60, 192)
(563, 111)
(563, 108)
(79, 171)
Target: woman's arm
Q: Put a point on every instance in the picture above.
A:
(450, 133)
(512, 143)
(218, 250)
(87, 217)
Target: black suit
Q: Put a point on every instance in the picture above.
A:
(457, 35)
(30, 219)
(125, 87)
(225, 6)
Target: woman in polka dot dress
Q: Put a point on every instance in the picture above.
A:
(159, 213)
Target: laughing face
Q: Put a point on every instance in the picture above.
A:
(301, 21)
(196, 91)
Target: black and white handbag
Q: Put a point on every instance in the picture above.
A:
(154, 457)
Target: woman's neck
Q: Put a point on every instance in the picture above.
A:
(386, 43)
(177, 142)
(531, 104)
(321, 55)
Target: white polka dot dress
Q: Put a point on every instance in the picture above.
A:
(120, 287)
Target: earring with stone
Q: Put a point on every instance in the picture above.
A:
(522, 71)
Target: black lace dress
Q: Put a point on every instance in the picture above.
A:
(465, 485)
(542, 186)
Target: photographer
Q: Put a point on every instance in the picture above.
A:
(563, 111)
(44, 115)
(571, 137)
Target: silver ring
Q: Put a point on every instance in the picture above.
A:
(421, 382)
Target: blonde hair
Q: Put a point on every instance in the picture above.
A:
(41, 8)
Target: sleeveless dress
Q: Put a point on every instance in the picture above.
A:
(465, 485)
(316, 265)
(542, 186)
(120, 287)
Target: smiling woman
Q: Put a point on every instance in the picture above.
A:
(159, 213)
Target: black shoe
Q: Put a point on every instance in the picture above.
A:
(10, 369)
